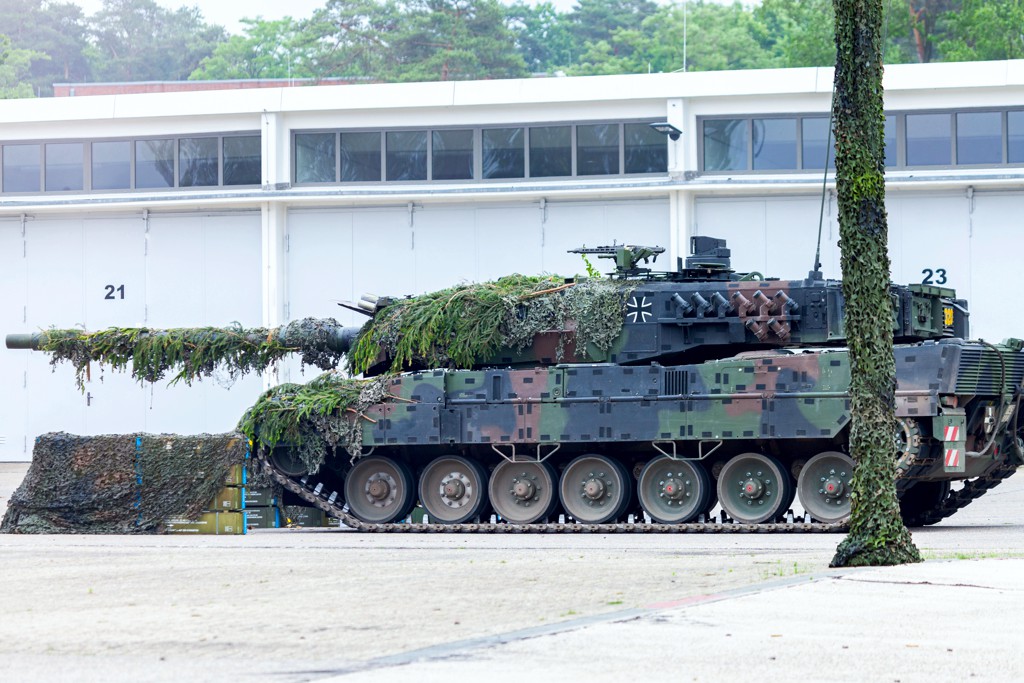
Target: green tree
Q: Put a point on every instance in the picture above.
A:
(452, 39)
(877, 533)
(348, 38)
(138, 40)
(717, 37)
(595, 21)
(55, 29)
(266, 49)
(15, 64)
(798, 32)
(993, 29)
(542, 35)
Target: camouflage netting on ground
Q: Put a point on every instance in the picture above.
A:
(464, 326)
(119, 484)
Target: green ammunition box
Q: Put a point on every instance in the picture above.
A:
(228, 498)
(259, 497)
(304, 516)
(236, 476)
(263, 517)
(209, 523)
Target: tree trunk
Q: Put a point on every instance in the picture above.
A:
(877, 533)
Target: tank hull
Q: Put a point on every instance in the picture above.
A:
(760, 418)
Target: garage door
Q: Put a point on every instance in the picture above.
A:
(112, 271)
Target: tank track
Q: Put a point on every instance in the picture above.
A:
(961, 498)
(956, 500)
(307, 493)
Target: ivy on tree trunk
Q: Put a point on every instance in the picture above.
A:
(877, 533)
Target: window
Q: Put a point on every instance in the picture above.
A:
(111, 165)
(929, 141)
(197, 162)
(503, 152)
(979, 137)
(154, 163)
(21, 168)
(550, 151)
(1015, 137)
(406, 155)
(360, 157)
(889, 131)
(65, 169)
(597, 149)
(242, 159)
(314, 158)
(816, 143)
(725, 145)
(646, 149)
(451, 155)
(774, 144)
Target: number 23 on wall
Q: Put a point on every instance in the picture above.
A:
(935, 276)
(112, 289)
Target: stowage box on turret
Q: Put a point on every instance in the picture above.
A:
(658, 396)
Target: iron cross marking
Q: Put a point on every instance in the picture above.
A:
(639, 309)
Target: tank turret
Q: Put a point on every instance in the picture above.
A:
(700, 311)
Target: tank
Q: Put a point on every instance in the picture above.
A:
(639, 401)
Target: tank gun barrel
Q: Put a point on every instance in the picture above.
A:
(29, 341)
(338, 339)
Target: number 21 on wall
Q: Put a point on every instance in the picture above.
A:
(111, 290)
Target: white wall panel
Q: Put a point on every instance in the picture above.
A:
(508, 240)
(114, 296)
(15, 444)
(929, 238)
(55, 297)
(775, 236)
(445, 248)
(202, 270)
(997, 242)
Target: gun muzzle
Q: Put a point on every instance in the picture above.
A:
(23, 341)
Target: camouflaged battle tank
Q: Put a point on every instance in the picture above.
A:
(711, 389)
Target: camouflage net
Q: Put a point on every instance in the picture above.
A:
(463, 326)
(191, 353)
(119, 484)
(314, 418)
(877, 533)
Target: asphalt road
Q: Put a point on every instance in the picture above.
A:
(296, 605)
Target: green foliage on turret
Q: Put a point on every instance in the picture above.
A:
(464, 326)
(877, 533)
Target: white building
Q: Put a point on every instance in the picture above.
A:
(262, 206)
